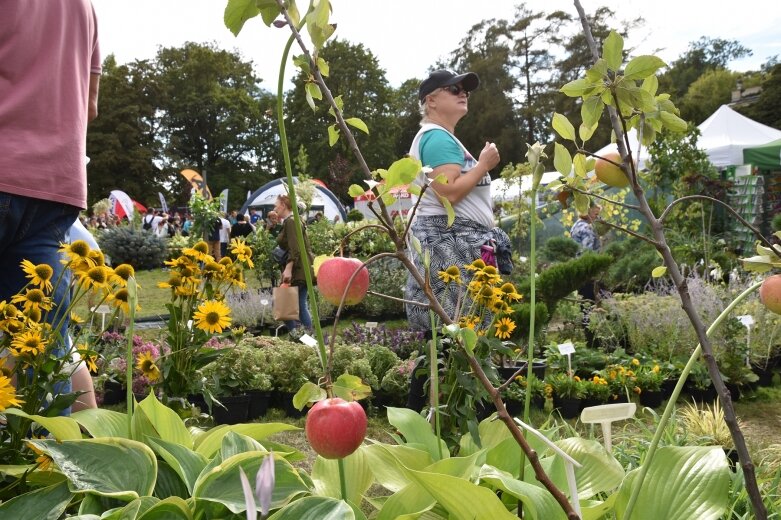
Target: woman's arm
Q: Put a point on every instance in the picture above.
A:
(458, 186)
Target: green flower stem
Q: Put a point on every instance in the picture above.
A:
(434, 375)
(638, 484)
(132, 291)
(293, 201)
(342, 481)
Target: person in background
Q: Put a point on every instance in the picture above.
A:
(187, 226)
(213, 238)
(232, 218)
(50, 67)
(444, 100)
(241, 228)
(293, 272)
(225, 236)
(253, 217)
(584, 234)
(273, 224)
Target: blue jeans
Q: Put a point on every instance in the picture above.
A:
(32, 229)
(304, 318)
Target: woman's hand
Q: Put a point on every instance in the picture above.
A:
(489, 156)
(287, 274)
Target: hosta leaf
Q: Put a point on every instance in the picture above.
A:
(185, 462)
(84, 463)
(599, 471)
(62, 428)
(166, 423)
(416, 430)
(41, 504)
(208, 444)
(102, 423)
(171, 508)
(612, 50)
(537, 501)
(682, 483)
(386, 462)
(642, 67)
(358, 476)
(316, 508)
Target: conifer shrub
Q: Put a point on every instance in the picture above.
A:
(141, 249)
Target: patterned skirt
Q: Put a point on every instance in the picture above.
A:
(457, 245)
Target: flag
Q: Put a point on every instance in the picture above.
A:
(120, 204)
(163, 204)
(196, 181)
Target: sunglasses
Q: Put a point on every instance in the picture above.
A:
(456, 90)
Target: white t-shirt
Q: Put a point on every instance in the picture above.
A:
(225, 231)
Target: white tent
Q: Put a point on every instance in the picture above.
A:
(323, 199)
(724, 135)
(503, 190)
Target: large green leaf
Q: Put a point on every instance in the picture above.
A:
(682, 483)
(563, 127)
(599, 472)
(172, 508)
(166, 423)
(461, 467)
(169, 483)
(237, 12)
(222, 483)
(562, 160)
(461, 498)
(383, 460)
(357, 474)
(537, 501)
(591, 110)
(62, 428)
(210, 442)
(410, 502)
(416, 431)
(234, 443)
(112, 467)
(315, 508)
(187, 463)
(136, 508)
(612, 50)
(642, 66)
(102, 423)
(42, 504)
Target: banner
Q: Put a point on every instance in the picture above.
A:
(120, 204)
(163, 204)
(224, 201)
(196, 181)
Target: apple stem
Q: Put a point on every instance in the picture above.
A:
(342, 481)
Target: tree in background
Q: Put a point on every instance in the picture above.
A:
(123, 142)
(703, 55)
(360, 81)
(213, 118)
(707, 93)
(767, 109)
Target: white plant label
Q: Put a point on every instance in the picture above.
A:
(747, 320)
(371, 324)
(567, 348)
(308, 340)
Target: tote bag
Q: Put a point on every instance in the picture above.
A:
(285, 306)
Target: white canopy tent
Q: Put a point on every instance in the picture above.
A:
(323, 199)
(503, 190)
(724, 136)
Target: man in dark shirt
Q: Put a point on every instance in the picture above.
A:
(241, 228)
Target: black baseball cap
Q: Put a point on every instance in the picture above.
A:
(443, 78)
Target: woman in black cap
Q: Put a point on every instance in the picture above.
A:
(443, 100)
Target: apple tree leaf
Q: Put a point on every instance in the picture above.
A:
(563, 127)
(612, 50)
(308, 393)
(356, 122)
(642, 67)
(333, 135)
(351, 388)
(355, 190)
(562, 160)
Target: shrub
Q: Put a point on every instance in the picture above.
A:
(381, 359)
(559, 249)
(561, 279)
(262, 243)
(141, 249)
(250, 308)
(354, 216)
(388, 277)
(237, 370)
(322, 238)
(631, 269)
(395, 382)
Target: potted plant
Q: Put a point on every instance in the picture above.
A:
(395, 383)
(621, 381)
(699, 384)
(648, 380)
(230, 378)
(596, 391)
(567, 393)
(289, 366)
(514, 397)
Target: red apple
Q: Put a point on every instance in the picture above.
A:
(335, 428)
(332, 278)
(609, 173)
(770, 293)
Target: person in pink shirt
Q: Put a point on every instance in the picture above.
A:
(49, 75)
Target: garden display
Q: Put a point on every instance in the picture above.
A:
(476, 448)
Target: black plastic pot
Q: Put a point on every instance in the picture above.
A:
(113, 393)
(568, 407)
(538, 369)
(258, 404)
(651, 399)
(703, 395)
(234, 410)
(287, 405)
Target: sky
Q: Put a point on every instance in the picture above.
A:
(408, 36)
